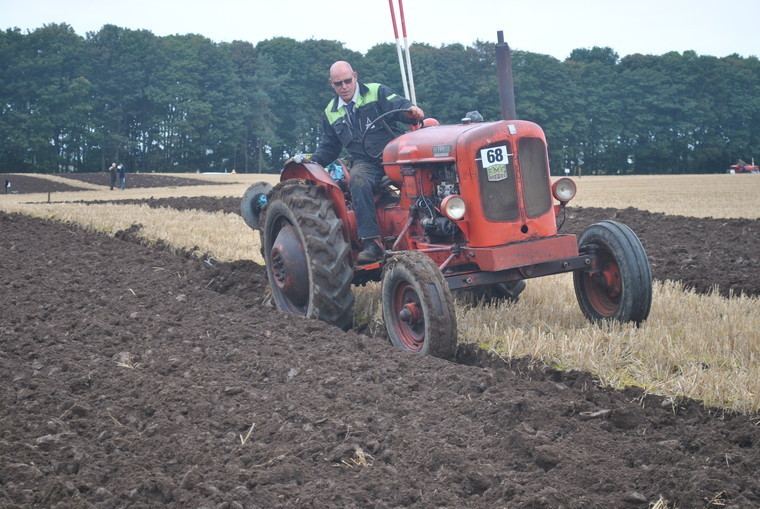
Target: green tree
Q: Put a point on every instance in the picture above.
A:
(258, 84)
(14, 112)
(184, 103)
(380, 65)
(204, 102)
(129, 112)
(52, 99)
(594, 102)
(108, 79)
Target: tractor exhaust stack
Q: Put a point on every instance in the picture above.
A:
(506, 85)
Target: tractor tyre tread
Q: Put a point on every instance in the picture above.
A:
(632, 261)
(329, 255)
(440, 313)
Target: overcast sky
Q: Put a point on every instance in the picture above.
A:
(553, 27)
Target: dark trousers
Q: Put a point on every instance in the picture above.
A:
(365, 178)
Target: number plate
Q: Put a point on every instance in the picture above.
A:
(495, 161)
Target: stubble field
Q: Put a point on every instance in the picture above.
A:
(134, 374)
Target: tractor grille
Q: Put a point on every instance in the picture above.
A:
(535, 176)
(499, 195)
(499, 190)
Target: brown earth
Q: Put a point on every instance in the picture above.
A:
(25, 184)
(134, 377)
(31, 184)
(143, 180)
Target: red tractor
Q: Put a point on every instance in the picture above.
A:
(468, 207)
(742, 167)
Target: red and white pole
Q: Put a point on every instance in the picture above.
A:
(405, 66)
(413, 96)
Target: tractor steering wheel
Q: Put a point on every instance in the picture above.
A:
(381, 118)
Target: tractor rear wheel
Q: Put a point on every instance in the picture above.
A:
(308, 261)
(619, 286)
(418, 308)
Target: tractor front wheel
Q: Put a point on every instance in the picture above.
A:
(418, 308)
(619, 284)
(308, 261)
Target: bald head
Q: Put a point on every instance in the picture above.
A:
(343, 79)
(340, 68)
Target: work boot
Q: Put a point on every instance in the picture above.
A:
(371, 252)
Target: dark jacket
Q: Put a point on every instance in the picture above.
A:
(374, 100)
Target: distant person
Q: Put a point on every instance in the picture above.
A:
(7, 186)
(122, 176)
(112, 174)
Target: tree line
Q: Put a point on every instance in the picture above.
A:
(185, 103)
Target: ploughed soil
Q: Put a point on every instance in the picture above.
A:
(131, 376)
(141, 180)
(21, 183)
(31, 184)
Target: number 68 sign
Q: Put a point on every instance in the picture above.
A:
(495, 161)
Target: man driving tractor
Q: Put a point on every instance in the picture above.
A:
(344, 123)
(476, 212)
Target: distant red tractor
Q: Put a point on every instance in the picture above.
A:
(468, 207)
(742, 167)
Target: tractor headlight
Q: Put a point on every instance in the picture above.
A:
(453, 207)
(564, 190)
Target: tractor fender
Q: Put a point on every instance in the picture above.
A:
(317, 175)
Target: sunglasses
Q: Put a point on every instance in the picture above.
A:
(338, 84)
